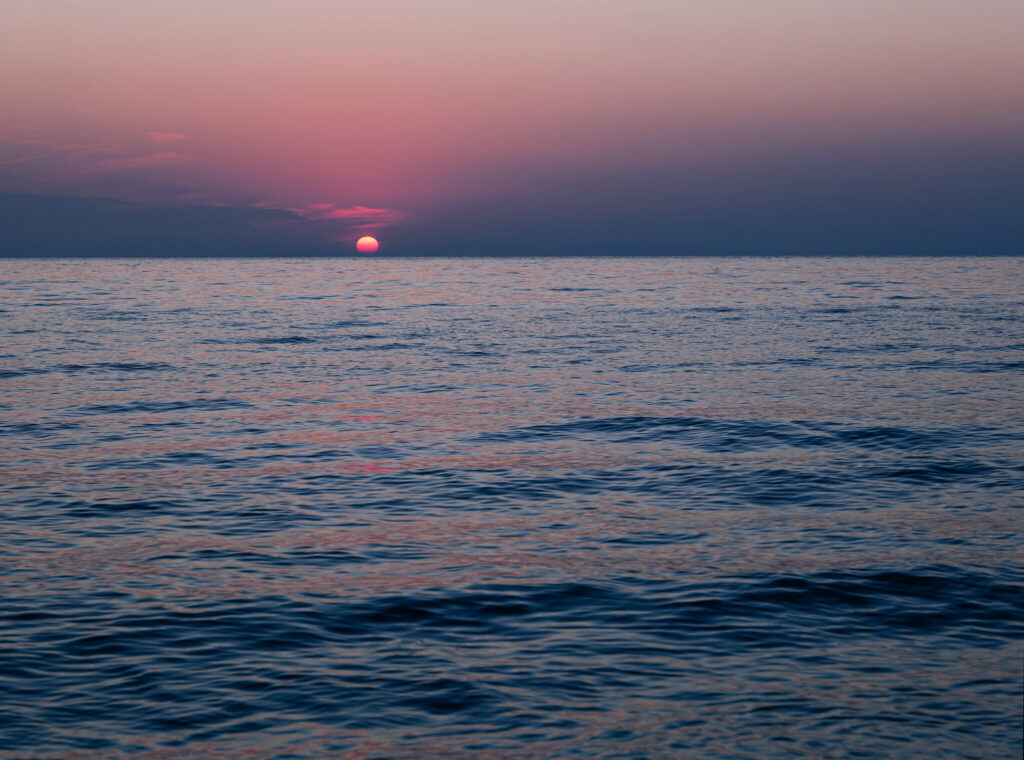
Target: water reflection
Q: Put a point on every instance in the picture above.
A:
(414, 508)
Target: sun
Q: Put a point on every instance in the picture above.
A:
(367, 244)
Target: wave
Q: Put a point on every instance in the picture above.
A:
(725, 435)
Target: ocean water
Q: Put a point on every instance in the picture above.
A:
(493, 508)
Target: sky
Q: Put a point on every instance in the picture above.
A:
(469, 127)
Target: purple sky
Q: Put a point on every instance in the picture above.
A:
(606, 126)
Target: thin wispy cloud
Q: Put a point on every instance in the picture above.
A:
(361, 213)
(9, 141)
(356, 217)
(142, 162)
(78, 158)
(26, 159)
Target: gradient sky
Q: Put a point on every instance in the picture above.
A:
(566, 126)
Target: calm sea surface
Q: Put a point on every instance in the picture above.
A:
(485, 508)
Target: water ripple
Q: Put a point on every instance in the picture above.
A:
(622, 508)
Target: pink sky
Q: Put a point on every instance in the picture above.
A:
(404, 107)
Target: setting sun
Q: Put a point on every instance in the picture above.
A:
(367, 244)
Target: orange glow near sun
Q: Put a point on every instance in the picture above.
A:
(367, 244)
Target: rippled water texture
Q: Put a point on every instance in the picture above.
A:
(619, 508)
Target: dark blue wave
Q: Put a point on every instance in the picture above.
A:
(638, 508)
(396, 660)
(159, 407)
(745, 435)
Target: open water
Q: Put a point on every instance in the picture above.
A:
(493, 508)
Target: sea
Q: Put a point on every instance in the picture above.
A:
(613, 508)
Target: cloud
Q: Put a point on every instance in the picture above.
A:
(23, 159)
(357, 218)
(353, 213)
(16, 149)
(50, 225)
(48, 164)
(361, 213)
(141, 162)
